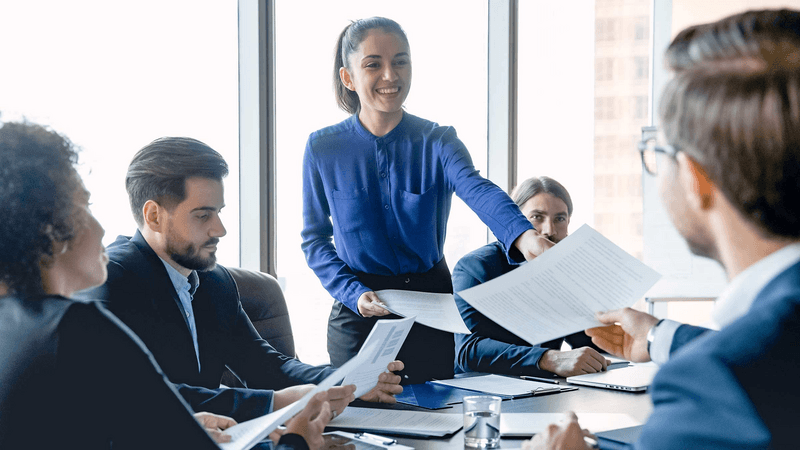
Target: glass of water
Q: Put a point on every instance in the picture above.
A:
(482, 421)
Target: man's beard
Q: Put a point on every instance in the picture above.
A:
(189, 255)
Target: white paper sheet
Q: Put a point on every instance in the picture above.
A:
(558, 293)
(380, 348)
(247, 434)
(434, 310)
(359, 443)
(500, 385)
(415, 423)
(528, 424)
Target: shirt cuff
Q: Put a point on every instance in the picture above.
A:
(270, 404)
(662, 341)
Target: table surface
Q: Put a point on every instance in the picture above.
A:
(584, 400)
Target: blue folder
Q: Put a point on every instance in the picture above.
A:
(431, 396)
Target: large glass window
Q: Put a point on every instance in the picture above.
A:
(448, 50)
(114, 76)
(686, 276)
(583, 98)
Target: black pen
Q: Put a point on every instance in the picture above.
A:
(543, 380)
(376, 438)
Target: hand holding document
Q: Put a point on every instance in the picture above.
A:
(434, 310)
(380, 348)
(558, 293)
(247, 434)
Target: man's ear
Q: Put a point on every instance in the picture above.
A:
(153, 214)
(696, 182)
(347, 81)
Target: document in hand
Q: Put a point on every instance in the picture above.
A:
(247, 434)
(503, 386)
(433, 310)
(390, 421)
(380, 348)
(558, 292)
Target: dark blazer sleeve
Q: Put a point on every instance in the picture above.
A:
(240, 404)
(488, 348)
(260, 366)
(292, 441)
(685, 334)
(707, 395)
(139, 405)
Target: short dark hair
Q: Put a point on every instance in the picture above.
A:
(349, 40)
(537, 185)
(734, 107)
(38, 181)
(159, 171)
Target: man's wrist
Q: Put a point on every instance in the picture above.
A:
(651, 336)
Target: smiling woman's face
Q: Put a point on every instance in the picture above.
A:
(380, 73)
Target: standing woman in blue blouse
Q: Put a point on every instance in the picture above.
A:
(380, 184)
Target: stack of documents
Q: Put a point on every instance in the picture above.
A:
(408, 423)
(502, 386)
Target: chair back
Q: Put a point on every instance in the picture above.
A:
(265, 305)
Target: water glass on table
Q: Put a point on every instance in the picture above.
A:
(482, 421)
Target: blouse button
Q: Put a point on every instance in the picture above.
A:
(383, 174)
(386, 207)
(408, 280)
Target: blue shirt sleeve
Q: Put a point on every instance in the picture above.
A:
(492, 205)
(334, 274)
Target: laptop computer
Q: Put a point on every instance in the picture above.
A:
(634, 378)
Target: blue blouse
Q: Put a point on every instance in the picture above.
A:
(385, 201)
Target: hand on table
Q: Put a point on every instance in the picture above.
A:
(369, 305)
(573, 362)
(214, 424)
(568, 436)
(626, 333)
(388, 385)
(532, 244)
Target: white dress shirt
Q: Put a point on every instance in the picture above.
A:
(734, 301)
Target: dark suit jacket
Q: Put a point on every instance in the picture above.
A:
(491, 348)
(73, 376)
(140, 293)
(736, 388)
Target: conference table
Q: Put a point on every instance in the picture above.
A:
(584, 400)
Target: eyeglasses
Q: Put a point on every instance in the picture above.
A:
(649, 149)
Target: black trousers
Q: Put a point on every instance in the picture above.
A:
(427, 353)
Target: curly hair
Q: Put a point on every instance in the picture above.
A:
(37, 183)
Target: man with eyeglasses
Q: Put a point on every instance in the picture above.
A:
(730, 181)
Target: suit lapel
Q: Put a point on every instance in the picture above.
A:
(153, 269)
